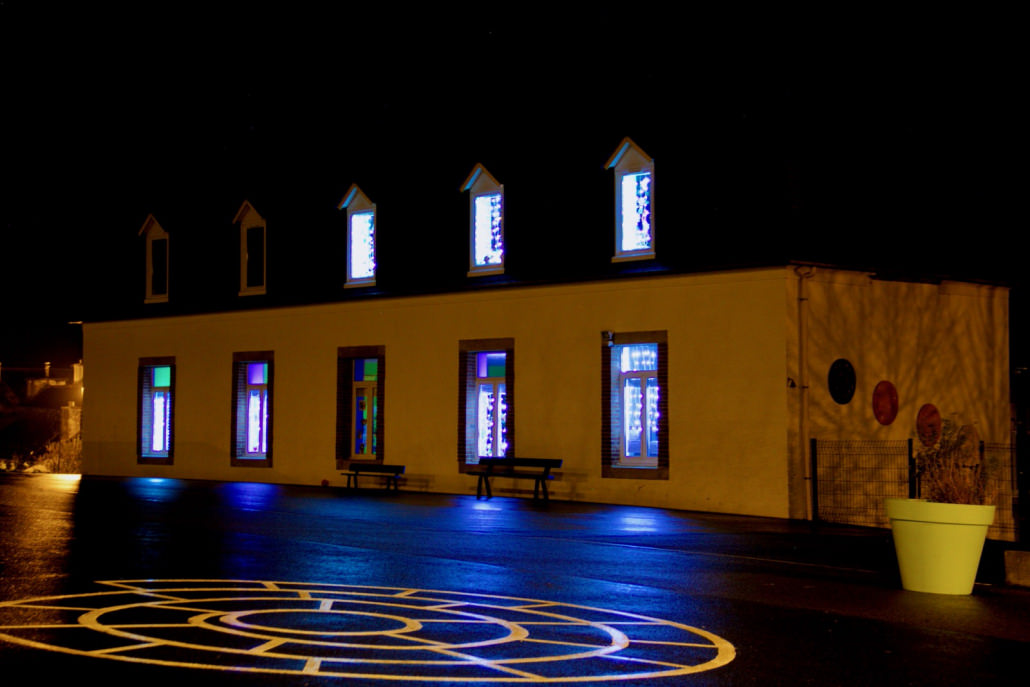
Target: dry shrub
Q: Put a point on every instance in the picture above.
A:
(952, 470)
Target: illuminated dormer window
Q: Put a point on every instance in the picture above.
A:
(253, 241)
(486, 222)
(361, 238)
(634, 202)
(156, 238)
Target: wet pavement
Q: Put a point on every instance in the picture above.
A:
(251, 584)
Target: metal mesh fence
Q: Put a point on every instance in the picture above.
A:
(851, 479)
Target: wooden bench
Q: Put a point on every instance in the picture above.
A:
(392, 473)
(536, 469)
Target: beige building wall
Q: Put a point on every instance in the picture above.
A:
(727, 393)
(946, 344)
(748, 359)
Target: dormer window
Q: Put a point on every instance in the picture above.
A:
(361, 238)
(486, 222)
(156, 238)
(253, 242)
(634, 202)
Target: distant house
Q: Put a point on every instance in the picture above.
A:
(566, 320)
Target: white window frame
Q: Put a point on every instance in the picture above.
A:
(481, 184)
(643, 376)
(500, 408)
(357, 204)
(630, 160)
(371, 394)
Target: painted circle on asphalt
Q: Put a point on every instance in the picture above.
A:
(360, 632)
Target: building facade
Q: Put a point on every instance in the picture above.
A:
(692, 391)
(424, 338)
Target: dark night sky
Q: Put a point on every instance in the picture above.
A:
(900, 128)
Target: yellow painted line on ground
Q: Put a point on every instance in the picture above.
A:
(459, 608)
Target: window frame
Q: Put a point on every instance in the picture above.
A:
(345, 358)
(612, 464)
(144, 397)
(468, 382)
(481, 184)
(238, 438)
(153, 232)
(248, 218)
(355, 202)
(630, 160)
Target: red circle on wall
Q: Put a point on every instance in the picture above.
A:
(928, 424)
(885, 403)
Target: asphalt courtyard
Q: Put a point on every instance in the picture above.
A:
(138, 581)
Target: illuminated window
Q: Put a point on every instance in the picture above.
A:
(486, 222)
(252, 409)
(635, 404)
(361, 373)
(485, 390)
(253, 241)
(156, 289)
(156, 403)
(361, 237)
(634, 202)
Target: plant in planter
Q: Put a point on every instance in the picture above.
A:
(939, 537)
(951, 470)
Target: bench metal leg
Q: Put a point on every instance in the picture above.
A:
(483, 481)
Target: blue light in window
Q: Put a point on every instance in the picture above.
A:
(638, 357)
(160, 430)
(490, 364)
(489, 238)
(257, 421)
(362, 245)
(636, 212)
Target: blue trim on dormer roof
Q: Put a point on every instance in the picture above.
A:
(624, 147)
(349, 196)
(478, 171)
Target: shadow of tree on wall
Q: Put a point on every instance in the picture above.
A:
(942, 344)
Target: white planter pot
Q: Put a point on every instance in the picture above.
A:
(938, 544)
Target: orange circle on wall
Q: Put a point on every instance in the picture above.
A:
(928, 424)
(885, 403)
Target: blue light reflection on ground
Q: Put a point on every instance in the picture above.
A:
(156, 489)
(250, 495)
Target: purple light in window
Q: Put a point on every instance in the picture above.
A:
(257, 373)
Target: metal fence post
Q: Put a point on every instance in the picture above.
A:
(913, 476)
(815, 479)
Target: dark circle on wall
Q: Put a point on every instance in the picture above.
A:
(885, 403)
(841, 381)
(928, 424)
